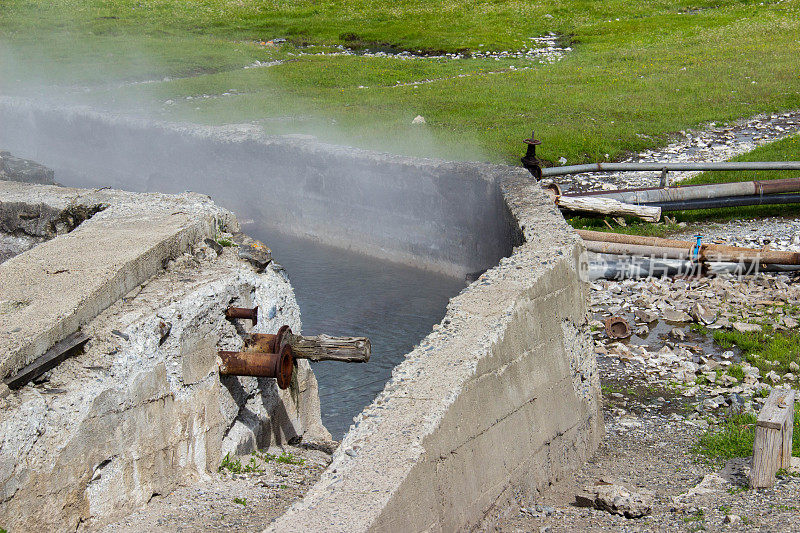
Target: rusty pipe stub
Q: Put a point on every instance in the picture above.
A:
(259, 364)
(261, 342)
(243, 312)
(617, 327)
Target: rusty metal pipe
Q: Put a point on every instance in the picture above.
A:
(243, 312)
(259, 364)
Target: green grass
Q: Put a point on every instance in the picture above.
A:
(234, 466)
(240, 501)
(627, 85)
(736, 371)
(695, 517)
(787, 149)
(290, 459)
(762, 348)
(734, 438)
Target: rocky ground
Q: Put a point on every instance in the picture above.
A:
(663, 388)
(670, 382)
(245, 495)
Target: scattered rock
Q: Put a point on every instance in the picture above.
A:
(703, 315)
(711, 483)
(616, 499)
(672, 315)
(419, 119)
(253, 251)
(214, 245)
(746, 327)
(732, 519)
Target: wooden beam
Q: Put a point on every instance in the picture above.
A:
(317, 348)
(607, 206)
(49, 360)
(772, 448)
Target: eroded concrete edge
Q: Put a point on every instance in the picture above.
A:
(63, 283)
(502, 396)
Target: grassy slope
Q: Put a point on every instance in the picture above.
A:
(664, 66)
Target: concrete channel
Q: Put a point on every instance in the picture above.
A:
(501, 397)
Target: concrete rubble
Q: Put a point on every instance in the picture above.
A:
(24, 170)
(142, 409)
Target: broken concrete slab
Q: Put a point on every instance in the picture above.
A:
(144, 410)
(63, 283)
(23, 170)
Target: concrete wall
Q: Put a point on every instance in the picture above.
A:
(435, 214)
(143, 408)
(502, 398)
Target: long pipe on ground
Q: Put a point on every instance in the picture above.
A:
(672, 248)
(730, 201)
(670, 267)
(622, 167)
(656, 195)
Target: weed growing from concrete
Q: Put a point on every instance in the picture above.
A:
(240, 501)
(232, 465)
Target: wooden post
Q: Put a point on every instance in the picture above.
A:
(772, 448)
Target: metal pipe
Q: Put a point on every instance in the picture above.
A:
(637, 167)
(243, 312)
(641, 250)
(730, 201)
(259, 364)
(670, 248)
(704, 191)
(663, 268)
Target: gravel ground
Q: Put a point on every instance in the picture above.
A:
(227, 501)
(714, 143)
(656, 403)
(647, 452)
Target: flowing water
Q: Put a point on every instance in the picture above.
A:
(349, 294)
(342, 293)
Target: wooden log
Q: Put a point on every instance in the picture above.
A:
(772, 448)
(327, 348)
(608, 206)
(319, 348)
